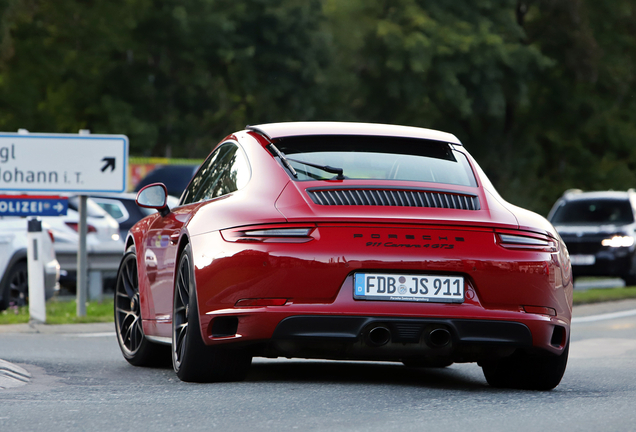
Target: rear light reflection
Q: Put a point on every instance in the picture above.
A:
(89, 228)
(261, 302)
(542, 310)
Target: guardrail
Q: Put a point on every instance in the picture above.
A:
(100, 265)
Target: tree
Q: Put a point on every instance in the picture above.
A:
(460, 66)
(176, 76)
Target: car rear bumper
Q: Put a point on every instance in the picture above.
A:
(340, 330)
(272, 332)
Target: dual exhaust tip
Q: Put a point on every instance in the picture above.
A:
(380, 335)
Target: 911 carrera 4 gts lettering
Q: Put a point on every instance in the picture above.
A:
(411, 237)
(409, 245)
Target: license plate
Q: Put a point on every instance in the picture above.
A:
(405, 287)
(582, 259)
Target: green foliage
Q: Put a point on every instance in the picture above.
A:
(459, 66)
(175, 76)
(603, 295)
(62, 312)
(540, 91)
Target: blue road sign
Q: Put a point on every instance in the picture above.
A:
(31, 205)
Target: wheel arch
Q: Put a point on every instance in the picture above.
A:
(130, 241)
(184, 240)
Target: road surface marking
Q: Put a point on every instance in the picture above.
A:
(603, 317)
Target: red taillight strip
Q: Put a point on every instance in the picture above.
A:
(270, 234)
(526, 241)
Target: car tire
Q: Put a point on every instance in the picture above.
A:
(192, 359)
(630, 280)
(16, 289)
(527, 372)
(134, 345)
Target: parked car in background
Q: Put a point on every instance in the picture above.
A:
(103, 240)
(599, 229)
(14, 287)
(175, 177)
(123, 208)
(344, 241)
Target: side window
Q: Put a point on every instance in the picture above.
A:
(225, 171)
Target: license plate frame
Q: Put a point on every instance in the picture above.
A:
(431, 288)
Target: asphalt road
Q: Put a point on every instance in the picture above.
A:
(73, 381)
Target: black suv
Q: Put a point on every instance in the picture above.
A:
(598, 229)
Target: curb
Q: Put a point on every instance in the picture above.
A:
(58, 328)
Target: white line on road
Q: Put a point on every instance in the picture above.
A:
(89, 335)
(603, 317)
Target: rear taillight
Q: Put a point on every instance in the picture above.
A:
(89, 228)
(278, 234)
(51, 235)
(526, 242)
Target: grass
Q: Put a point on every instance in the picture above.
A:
(603, 294)
(62, 312)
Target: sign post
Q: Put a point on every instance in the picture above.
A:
(35, 271)
(79, 163)
(82, 268)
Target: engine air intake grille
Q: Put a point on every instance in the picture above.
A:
(394, 198)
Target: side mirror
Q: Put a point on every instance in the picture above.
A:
(154, 196)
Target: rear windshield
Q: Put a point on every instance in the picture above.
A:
(381, 158)
(593, 212)
(92, 208)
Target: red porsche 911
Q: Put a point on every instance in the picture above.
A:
(344, 241)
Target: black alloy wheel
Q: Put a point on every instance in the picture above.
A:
(135, 347)
(192, 359)
(181, 312)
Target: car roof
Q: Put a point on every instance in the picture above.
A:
(295, 129)
(581, 196)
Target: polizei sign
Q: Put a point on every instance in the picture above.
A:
(33, 205)
(63, 162)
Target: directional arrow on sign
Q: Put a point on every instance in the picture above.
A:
(110, 162)
(59, 207)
